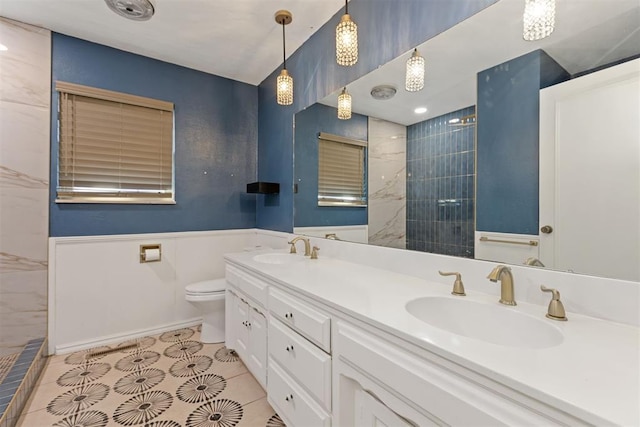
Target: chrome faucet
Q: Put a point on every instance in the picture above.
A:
(307, 245)
(503, 274)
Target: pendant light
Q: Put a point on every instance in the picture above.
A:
(284, 82)
(414, 79)
(539, 19)
(344, 105)
(346, 39)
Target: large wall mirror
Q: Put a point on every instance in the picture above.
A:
(497, 164)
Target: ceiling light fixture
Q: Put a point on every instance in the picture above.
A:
(344, 105)
(383, 92)
(284, 82)
(420, 110)
(539, 19)
(137, 10)
(414, 79)
(346, 39)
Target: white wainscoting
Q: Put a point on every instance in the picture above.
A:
(100, 293)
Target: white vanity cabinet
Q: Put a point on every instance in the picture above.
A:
(380, 381)
(246, 321)
(299, 386)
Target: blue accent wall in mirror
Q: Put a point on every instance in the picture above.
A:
(309, 122)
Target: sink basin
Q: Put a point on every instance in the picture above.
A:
(495, 324)
(277, 258)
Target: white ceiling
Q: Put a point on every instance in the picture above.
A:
(238, 39)
(588, 33)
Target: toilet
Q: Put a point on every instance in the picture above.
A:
(208, 297)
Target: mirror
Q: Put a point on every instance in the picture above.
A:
(588, 36)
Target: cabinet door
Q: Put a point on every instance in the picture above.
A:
(257, 360)
(241, 319)
(370, 412)
(230, 320)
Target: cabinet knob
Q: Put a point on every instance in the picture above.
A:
(288, 397)
(290, 348)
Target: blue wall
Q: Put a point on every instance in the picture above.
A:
(440, 185)
(216, 128)
(386, 29)
(507, 147)
(309, 122)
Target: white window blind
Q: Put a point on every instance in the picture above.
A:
(113, 147)
(341, 171)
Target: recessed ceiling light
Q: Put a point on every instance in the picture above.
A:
(420, 110)
(3, 47)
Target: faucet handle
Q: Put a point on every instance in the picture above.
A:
(458, 286)
(293, 247)
(314, 252)
(556, 309)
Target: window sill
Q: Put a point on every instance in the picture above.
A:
(119, 200)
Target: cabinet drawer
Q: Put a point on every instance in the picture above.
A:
(307, 320)
(306, 363)
(255, 288)
(293, 404)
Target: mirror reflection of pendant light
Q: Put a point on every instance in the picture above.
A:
(539, 19)
(346, 39)
(414, 80)
(284, 82)
(344, 105)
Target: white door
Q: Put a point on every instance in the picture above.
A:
(590, 173)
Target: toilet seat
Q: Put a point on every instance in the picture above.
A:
(207, 287)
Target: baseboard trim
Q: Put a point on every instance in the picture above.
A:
(118, 338)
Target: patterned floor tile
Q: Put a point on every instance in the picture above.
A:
(260, 413)
(167, 380)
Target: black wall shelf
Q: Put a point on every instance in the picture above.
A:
(263, 187)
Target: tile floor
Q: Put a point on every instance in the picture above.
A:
(6, 362)
(168, 380)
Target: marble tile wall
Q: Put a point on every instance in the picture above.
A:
(387, 157)
(25, 71)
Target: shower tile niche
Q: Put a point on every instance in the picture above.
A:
(440, 184)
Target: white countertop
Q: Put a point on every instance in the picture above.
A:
(593, 374)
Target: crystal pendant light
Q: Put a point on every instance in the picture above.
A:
(346, 39)
(539, 19)
(284, 82)
(344, 105)
(414, 79)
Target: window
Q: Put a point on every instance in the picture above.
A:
(341, 171)
(113, 147)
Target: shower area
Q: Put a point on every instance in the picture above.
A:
(25, 116)
(440, 184)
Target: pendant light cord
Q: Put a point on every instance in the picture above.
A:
(284, 55)
(346, 7)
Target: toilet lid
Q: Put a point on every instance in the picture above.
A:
(207, 286)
